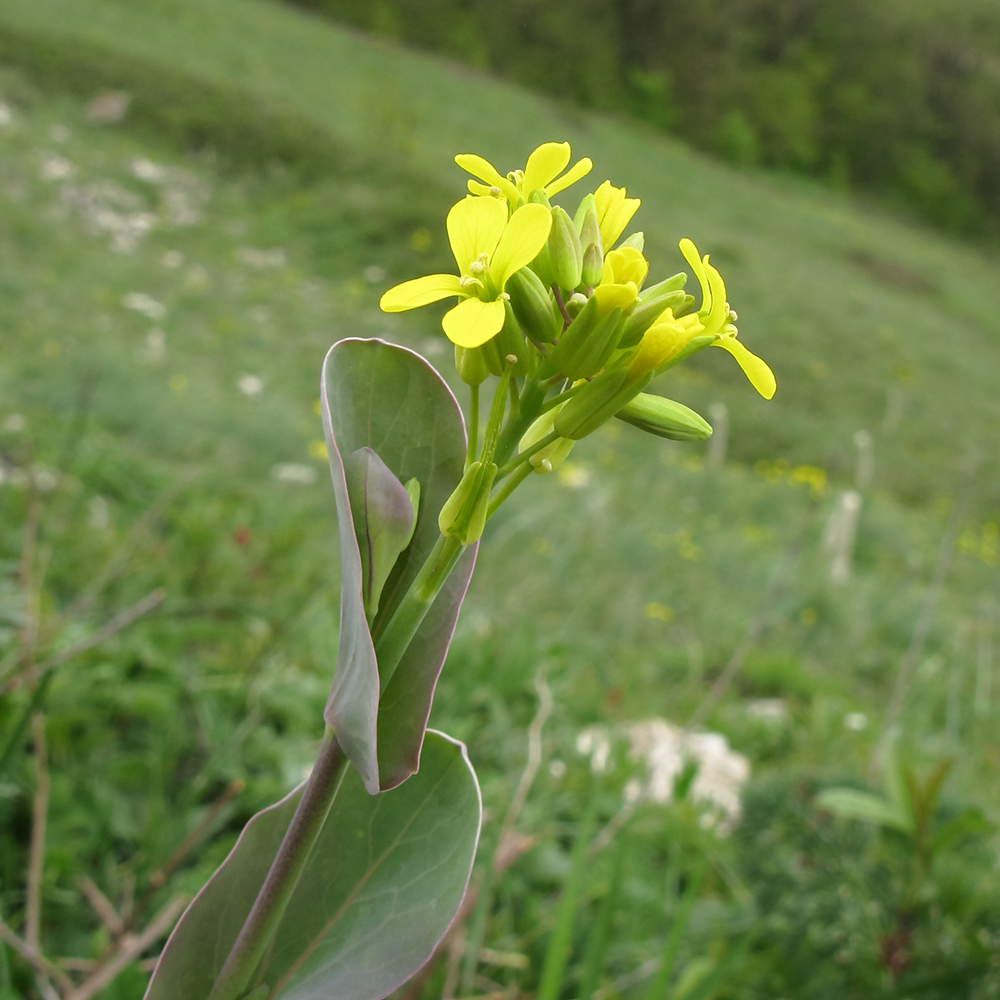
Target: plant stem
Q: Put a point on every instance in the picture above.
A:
(506, 470)
(517, 477)
(470, 454)
(286, 870)
(401, 628)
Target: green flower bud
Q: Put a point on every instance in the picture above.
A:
(597, 402)
(587, 224)
(471, 367)
(534, 306)
(636, 240)
(646, 312)
(565, 252)
(552, 455)
(463, 515)
(665, 418)
(575, 304)
(593, 265)
(511, 344)
(588, 342)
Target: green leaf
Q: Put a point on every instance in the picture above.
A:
(855, 804)
(381, 888)
(388, 399)
(384, 516)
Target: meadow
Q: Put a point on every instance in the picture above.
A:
(197, 200)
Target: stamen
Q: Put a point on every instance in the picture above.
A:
(467, 281)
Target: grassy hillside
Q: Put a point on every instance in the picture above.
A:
(168, 286)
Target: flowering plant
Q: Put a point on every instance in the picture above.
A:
(345, 887)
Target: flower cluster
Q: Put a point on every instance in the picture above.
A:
(562, 301)
(507, 228)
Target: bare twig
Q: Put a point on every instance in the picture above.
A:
(102, 906)
(200, 831)
(534, 761)
(35, 958)
(39, 816)
(131, 947)
(105, 632)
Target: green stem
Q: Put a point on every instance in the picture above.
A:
(402, 627)
(517, 477)
(470, 454)
(261, 925)
(530, 406)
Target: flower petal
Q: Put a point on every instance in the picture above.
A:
(543, 165)
(664, 340)
(487, 173)
(611, 296)
(627, 264)
(474, 227)
(719, 312)
(614, 211)
(521, 242)
(692, 256)
(472, 322)
(579, 169)
(761, 377)
(420, 292)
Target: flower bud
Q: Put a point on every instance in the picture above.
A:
(637, 241)
(588, 342)
(533, 306)
(565, 252)
(552, 455)
(575, 304)
(510, 343)
(596, 402)
(646, 312)
(665, 418)
(463, 515)
(470, 365)
(593, 265)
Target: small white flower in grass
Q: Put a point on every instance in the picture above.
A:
(374, 274)
(292, 472)
(250, 385)
(140, 302)
(856, 721)
(557, 769)
(771, 710)
(6, 116)
(172, 259)
(45, 479)
(14, 423)
(56, 168)
(147, 170)
(595, 743)
(262, 260)
(59, 133)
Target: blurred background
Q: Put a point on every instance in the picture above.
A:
(674, 660)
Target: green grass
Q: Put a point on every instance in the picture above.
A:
(631, 579)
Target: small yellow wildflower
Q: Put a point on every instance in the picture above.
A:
(717, 318)
(614, 212)
(488, 249)
(541, 173)
(624, 272)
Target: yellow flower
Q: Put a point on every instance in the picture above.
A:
(624, 272)
(614, 212)
(665, 339)
(717, 319)
(541, 173)
(488, 249)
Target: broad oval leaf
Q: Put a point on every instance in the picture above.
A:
(388, 399)
(381, 888)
